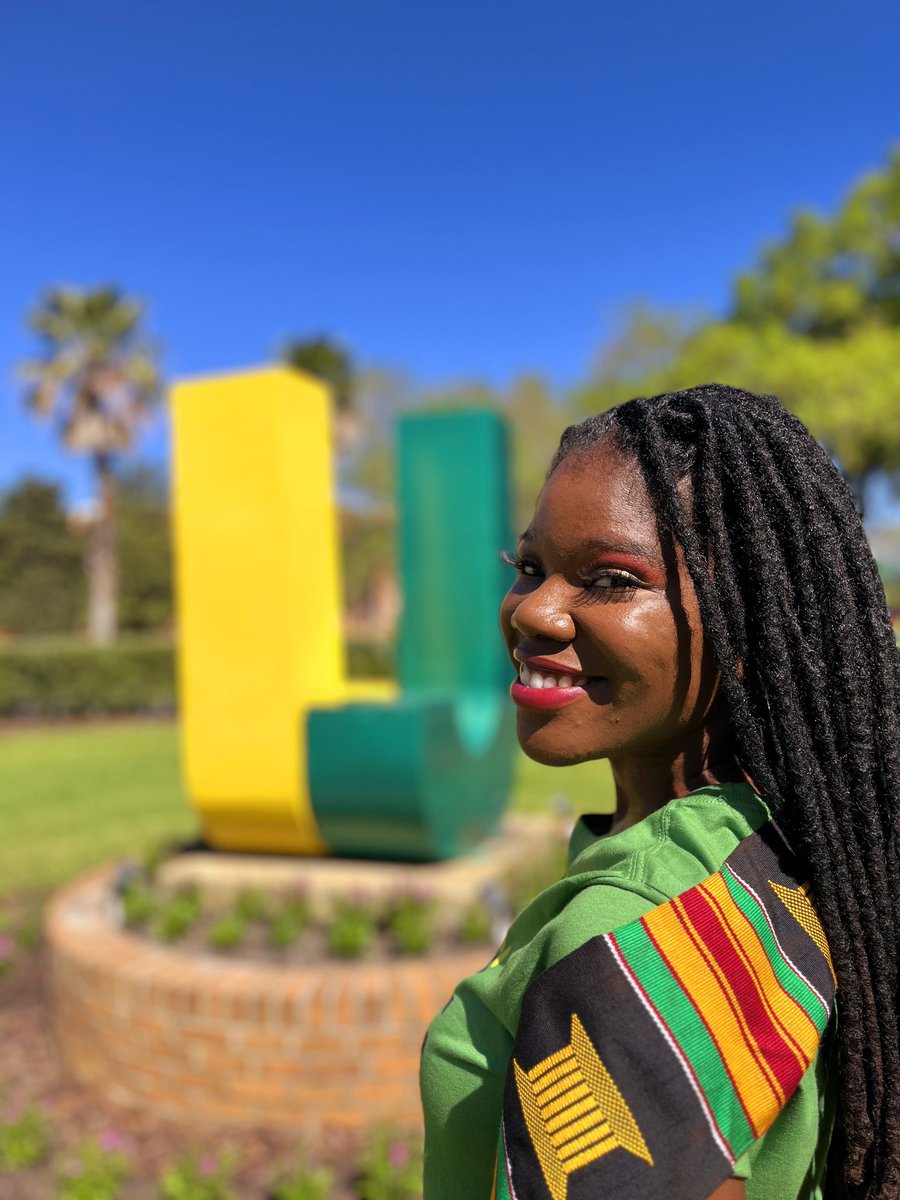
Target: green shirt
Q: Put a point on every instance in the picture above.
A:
(610, 881)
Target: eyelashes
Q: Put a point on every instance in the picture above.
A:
(601, 587)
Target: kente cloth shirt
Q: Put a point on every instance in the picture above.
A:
(689, 1045)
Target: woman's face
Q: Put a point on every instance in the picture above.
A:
(602, 623)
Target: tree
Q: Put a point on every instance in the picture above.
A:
(145, 549)
(536, 419)
(327, 360)
(41, 569)
(98, 377)
(845, 390)
(828, 277)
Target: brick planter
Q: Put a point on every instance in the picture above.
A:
(224, 1041)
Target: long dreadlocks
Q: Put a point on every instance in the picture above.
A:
(794, 612)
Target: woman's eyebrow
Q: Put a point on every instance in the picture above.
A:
(636, 549)
(605, 546)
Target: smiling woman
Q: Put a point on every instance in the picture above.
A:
(661, 1022)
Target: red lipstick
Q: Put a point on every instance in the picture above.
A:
(554, 697)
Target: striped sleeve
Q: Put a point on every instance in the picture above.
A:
(650, 1059)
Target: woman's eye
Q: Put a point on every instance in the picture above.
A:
(524, 566)
(613, 579)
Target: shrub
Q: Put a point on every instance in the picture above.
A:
(177, 915)
(352, 929)
(96, 1174)
(391, 1167)
(304, 1183)
(206, 1178)
(228, 932)
(137, 905)
(56, 677)
(251, 905)
(24, 1141)
(410, 924)
(477, 924)
(288, 924)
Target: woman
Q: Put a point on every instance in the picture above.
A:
(694, 600)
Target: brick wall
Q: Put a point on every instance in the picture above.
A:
(332, 1044)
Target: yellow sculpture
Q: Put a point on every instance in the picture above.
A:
(255, 523)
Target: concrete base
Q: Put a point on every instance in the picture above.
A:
(452, 885)
(206, 1038)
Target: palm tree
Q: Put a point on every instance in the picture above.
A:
(98, 377)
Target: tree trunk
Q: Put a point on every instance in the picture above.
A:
(103, 560)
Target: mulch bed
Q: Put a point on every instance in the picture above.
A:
(32, 1072)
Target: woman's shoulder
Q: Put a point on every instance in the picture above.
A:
(620, 877)
(719, 995)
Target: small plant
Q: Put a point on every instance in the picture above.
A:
(477, 924)
(7, 945)
(228, 932)
(410, 924)
(98, 1172)
(155, 856)
(352, 929)
(24, 1141)
(137, 905)
(304, 1183)
(177, 915)
(204, 1178)
(251, 905)
(391, 1167)
(286, 927)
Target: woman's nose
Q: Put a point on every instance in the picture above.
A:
(540, 614)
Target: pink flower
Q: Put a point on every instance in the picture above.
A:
(7, 946)
(398, 1154)
(208, 1166)
(110, 1141)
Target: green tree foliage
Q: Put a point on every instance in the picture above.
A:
(42, 587)
(327, 360)
(817, 322)
(830, 276)
(98, 376)
(844, 389)
(536, 419)
(368, 551)
(145, 549)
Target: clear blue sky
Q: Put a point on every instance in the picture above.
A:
(463, 190)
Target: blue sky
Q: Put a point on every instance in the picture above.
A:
(460, 191)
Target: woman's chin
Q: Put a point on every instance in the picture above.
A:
(548, 749)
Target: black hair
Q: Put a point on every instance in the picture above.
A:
(794, 611)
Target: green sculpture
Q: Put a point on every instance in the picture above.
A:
(427, 775)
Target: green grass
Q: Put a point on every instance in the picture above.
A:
(585, 788)
(74, 797)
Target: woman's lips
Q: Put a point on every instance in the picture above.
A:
(553, 697)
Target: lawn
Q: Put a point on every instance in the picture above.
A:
(75, 796)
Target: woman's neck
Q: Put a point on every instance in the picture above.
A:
(646, 783)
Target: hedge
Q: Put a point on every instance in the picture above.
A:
(53, 677)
